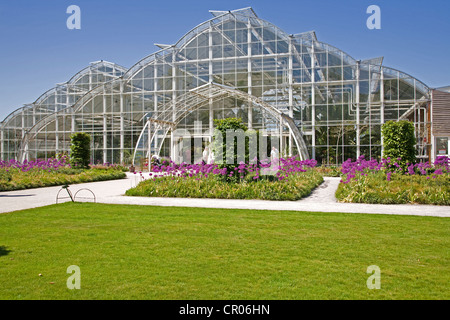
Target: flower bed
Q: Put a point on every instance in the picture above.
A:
(292, 180)
(34, 174)
(386, 182)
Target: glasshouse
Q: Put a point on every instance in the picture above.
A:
(318, 101)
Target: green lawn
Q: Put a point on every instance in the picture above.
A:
(140, 252)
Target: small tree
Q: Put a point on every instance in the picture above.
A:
(221, 149)
(399, 141)
(223, 125)
(80, 150)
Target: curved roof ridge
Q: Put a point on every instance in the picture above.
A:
(425, 87)
(73, 78)
(244, 11)
(247, 12)
(229, 13)
(134, 68)
(76, 76)
(14, 112)
(95, 63)
(222, 14)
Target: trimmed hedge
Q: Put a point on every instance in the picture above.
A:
(80, 150)
(399, 141)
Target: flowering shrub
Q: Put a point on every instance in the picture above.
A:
(257, 171)
(291, 179)
(442, 162)
(15, 175)
(47, 165)
(361, 167)
(369, 181)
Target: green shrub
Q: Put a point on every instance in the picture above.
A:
(5, 178)
(399, 141)
(80, 150)
(69, 171)
(220, 147)
(117, 167)
(223, 125)
(5, 175)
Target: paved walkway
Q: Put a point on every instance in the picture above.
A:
(321, 200)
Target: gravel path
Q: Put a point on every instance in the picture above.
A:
(321, 200)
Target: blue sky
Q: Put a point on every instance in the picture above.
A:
(37, 50)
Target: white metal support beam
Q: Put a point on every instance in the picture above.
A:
(210, 65)
(227, 38)
(174, 100)
(249, 73)
(22, 125)
(149, 144)
(155, 96)
(281, 136)
(105, 126)
(305, 68)
(357, 97)
(291, 93)
(313, 103)
(56, 134)
(2, 144)
(122, 131)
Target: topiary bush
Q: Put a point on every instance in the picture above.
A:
(399, 142)
(223, 125)
(220, 147)
(80, 150)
